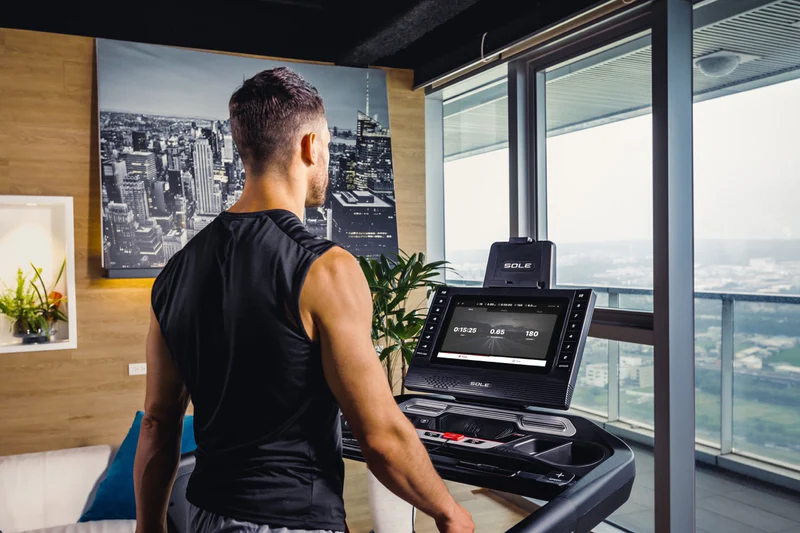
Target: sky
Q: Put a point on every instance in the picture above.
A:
(161, 80)
(599, 180)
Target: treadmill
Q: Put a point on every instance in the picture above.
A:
(496, 364)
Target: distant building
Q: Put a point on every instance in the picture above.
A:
(139, 141)
(179, 210)
(174, 241)
(173, 158)
(123, 249)
(134, 195)
(227, 149)
(373, 151)
(160, 192)
(175, 182)
(216, 199)
(204, 177)
(167, 222)
(363, 224)
(141, 165)
(318, 221)
(380, 187)
(114, 173)
(151, 247)
(596, 375)
(347, 173)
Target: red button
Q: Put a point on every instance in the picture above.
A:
(453, 436)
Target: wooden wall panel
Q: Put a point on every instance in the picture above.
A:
(48, 146)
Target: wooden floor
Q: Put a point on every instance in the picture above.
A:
(490, 513)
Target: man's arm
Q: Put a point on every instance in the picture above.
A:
(336, 300)
(158, 452)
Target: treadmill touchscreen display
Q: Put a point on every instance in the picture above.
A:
(501, 332)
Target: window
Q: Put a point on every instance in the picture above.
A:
(476, 191)
(599, 172)
(747, 226)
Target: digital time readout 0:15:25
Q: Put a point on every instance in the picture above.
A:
(493, 331)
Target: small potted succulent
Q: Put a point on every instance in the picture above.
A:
(34, 310)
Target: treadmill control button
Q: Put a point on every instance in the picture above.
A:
(435, 319)
(423, 346)
(579, 306)
(430, 328)
(557, 478)
(571, 336)
(439, 300)
(574, 326)
(428, 336)
(576, 315)
(443, 291)
(437, 309)
(473, 441)
(565, 358)
(568, 347)
(563, 365)
(453, 436)
(432, 434)
(424, 421)
(582, 295)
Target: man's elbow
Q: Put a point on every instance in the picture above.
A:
(383, 442)
(160, 427)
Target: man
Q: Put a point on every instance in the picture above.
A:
(267, 329)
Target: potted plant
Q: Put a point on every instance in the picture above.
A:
(397, 321)
(34, 312)
(50, 301)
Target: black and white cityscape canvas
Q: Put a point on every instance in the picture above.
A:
(169, 165)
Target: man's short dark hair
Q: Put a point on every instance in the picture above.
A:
(267, 112)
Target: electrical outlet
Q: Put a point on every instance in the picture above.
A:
(137, 369)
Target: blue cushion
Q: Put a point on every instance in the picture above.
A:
(115, 499)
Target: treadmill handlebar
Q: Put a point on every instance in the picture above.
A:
(557, 516)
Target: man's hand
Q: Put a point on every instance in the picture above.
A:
(459, 521)
(336, 308)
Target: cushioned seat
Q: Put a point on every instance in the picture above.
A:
(49, 491)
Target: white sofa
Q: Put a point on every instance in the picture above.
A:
(47, 492)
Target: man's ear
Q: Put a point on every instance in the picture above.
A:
(307, 148)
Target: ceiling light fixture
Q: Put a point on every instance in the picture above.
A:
(722, 63)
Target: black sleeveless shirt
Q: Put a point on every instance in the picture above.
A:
(266, 423)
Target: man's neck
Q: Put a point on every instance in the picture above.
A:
(263, 193)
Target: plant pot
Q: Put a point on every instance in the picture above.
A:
(29, 334)
(390, 514)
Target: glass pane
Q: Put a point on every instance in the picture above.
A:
(747, 222)
(766, 381)
(708, 341)
(636, 384)
(591, 392)
(599, 159)
(476, 193)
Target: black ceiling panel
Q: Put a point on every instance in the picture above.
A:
(430, 36)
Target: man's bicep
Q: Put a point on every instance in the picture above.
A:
(342, 312)
(166, 393)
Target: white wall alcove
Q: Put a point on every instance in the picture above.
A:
(38, 230)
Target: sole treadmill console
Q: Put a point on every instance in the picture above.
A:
(499, 353)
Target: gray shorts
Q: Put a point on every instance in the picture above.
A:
(205, 522)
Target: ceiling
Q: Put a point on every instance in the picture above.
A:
(615, 83)
(432, 37)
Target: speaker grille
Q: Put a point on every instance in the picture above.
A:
(441, 382)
